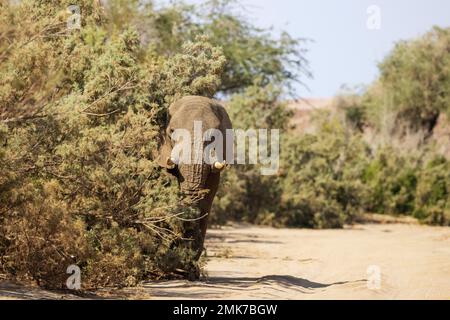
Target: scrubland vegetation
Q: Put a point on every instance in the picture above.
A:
(81, 113)
(373, 151)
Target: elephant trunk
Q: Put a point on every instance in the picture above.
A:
(193, 184)
(193, 179)
(194, 173)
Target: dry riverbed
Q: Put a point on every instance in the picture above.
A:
(247, 262)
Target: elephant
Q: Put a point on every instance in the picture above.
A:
(197, 176)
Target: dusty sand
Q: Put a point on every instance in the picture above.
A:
(246, 262)
(264, 263)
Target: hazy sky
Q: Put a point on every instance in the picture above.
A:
(345, 50)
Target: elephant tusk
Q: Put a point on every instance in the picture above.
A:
(220, 166)
(170, 163)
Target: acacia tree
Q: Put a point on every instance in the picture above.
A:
(252, 54)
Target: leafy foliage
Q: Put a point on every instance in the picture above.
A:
(79, 184)
(80, 118)
(251, 52)
(405, 174)
(416, 77)
(412, 90)
(359, 158)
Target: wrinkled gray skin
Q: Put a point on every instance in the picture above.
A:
(194, 178)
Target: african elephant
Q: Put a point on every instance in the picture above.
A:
(197, 176)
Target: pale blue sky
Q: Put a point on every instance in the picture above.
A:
(344, 50)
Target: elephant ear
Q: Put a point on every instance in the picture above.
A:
(222, 115)
(225, 124)
(165, 150)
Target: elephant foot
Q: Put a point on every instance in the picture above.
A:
(194, 275)
(199, 253)
(190, 273)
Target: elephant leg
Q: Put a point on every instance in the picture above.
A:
(212, 184)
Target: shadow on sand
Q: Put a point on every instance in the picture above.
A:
(218, 287)
(12, 290)
(287, 281)
(271, 286)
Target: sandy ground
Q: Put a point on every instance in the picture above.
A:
(246, 262)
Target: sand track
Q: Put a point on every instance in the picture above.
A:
(246, 262)
(263, 263)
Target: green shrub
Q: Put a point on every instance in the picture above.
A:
(322, 185)
(392, 182)
(318, 184)
(245, 194)
(78, 183)
(432, 198)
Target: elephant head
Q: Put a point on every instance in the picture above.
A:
(198, 180)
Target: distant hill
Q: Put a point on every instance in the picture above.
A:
(303, 108)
